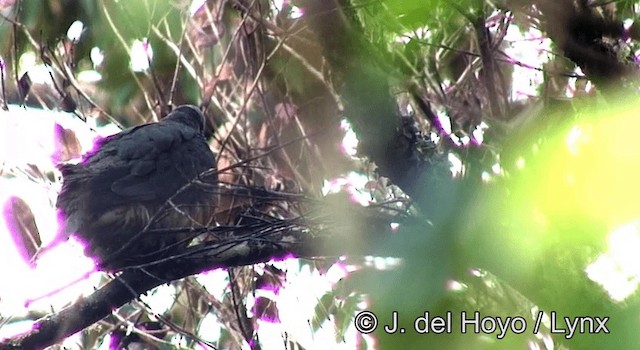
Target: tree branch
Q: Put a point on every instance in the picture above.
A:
(386, 137)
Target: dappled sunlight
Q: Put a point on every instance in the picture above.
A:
(526, 50)
(27, 154)
(578, 85)
(141, 55)
(353, 183)
(445, 123)
(618, 269)
(75, 31)
(520, 163)
(56, 272)
(457, 167)
(382, 263)
(478, 133)
(295, 300)
(575, 137)
(349, 143)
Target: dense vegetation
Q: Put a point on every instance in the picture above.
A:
(497, 139)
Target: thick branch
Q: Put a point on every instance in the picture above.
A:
(587, 38)
(385, 137)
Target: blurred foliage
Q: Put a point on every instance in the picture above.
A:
(112, 27)
(554, 217)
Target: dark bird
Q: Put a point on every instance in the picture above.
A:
(133, 198)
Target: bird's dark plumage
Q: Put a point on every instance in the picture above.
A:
(150, 178)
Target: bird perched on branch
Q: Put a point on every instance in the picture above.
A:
(133, 198)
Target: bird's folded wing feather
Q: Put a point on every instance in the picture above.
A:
(150, 162)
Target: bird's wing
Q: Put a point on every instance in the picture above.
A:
(150, 162)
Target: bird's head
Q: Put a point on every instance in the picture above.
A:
(188, 115)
